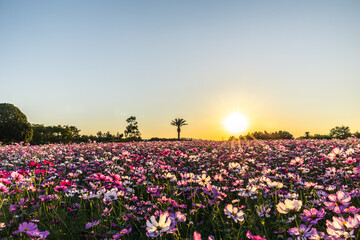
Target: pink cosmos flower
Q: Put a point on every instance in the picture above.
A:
(249, 235)
(3, 188)
(341, 228)
(263, 211)
(27, 227)
(177, 217)
(317, 235)
(122, 233)
(90, 225)
(235, 213)
(17, 177)
(349, 161)
(31, 230)
(336, 152)
(302, 231)
(295, 161)
(197, 236)
(313, 215)
(352, 210)
(338, 202)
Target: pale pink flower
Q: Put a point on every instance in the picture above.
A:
(289, 206)
(235, 213)
(339, 202)
(17, 177)
(342, 228)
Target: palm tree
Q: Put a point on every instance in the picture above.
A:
(178, 122)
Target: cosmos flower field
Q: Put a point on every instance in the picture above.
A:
(288, 189)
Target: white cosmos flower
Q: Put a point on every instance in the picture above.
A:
(155, 228)
(203, 180)
(248, 191)
(275, 184)
(288, 206)
(110, 196)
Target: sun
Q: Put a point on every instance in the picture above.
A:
(236, 123)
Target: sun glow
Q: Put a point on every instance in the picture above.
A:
(236, 123)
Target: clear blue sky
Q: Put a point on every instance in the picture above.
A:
(287, 65)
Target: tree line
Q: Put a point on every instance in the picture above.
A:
(14, 127)
(267, 135)
(338, 132)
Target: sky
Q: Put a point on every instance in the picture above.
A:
(286, 65)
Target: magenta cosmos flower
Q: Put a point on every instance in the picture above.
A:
(338, 202)
(249, 235)
(313, 215)
(197, 236)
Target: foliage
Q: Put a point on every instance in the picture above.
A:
(307, 135)
(14, 126)
(267, 136)
(321, 136)
(106, 137)
(257, 189)
(132, 129)
(66, 134)
(54, 134)
(178, 122)
(165, 139)
(340, 132)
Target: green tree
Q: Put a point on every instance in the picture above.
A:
(14, 126)
(340, 132)
(132, 129)
(54, 134)
(178, 122)
(284, 135)
(307, 135)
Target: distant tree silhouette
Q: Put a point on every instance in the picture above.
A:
(132, 130)
(14, 126)
(307, 134)
(54, 134)
(283, 135)
(340, 132)
(178, 122)
(267, 135)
